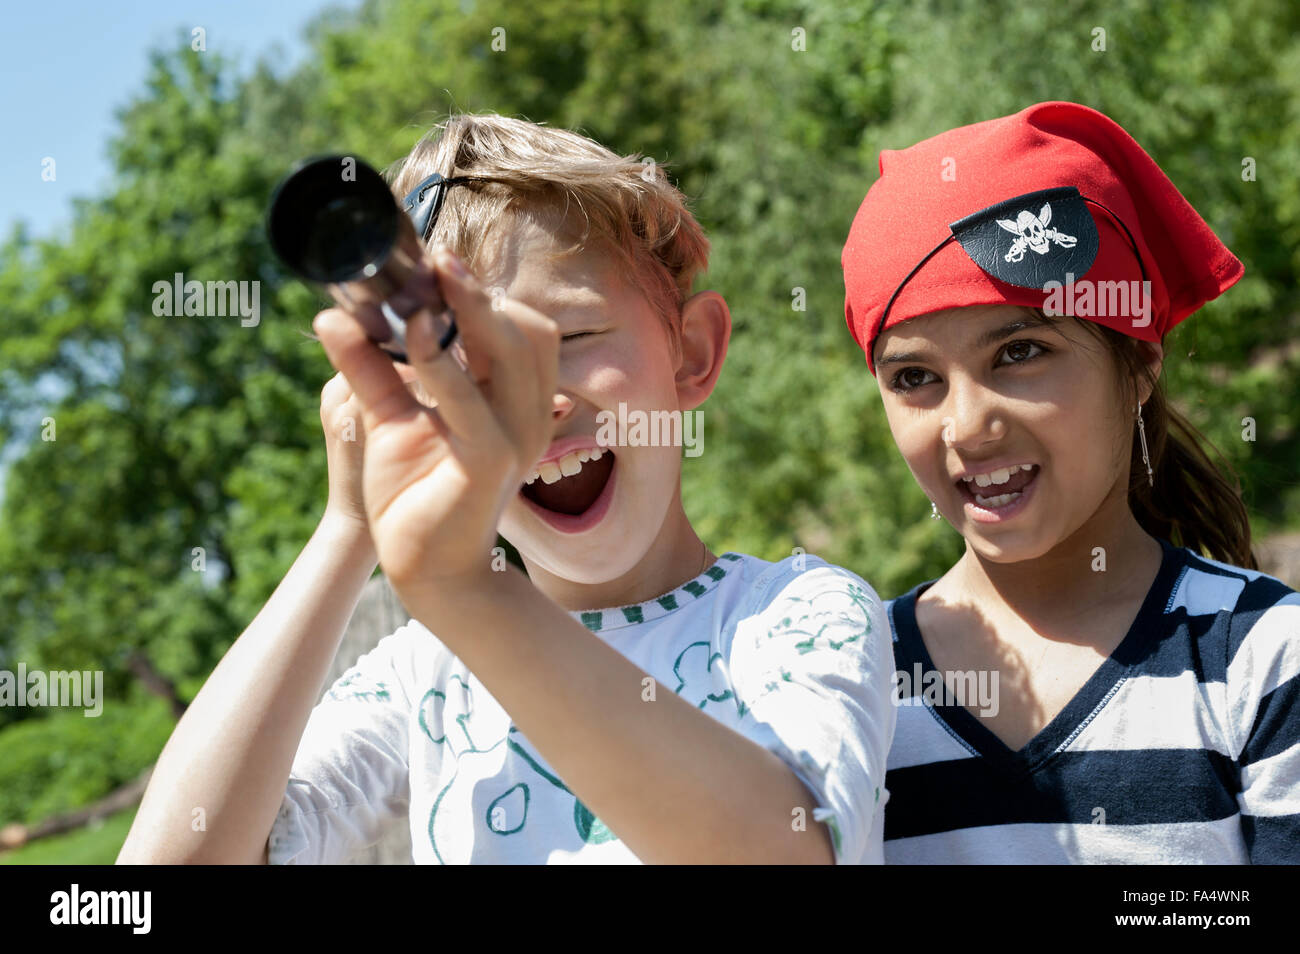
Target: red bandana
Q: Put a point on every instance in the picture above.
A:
(1054, 207)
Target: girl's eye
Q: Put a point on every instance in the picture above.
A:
(1021, 351)
(909, 379)
(578, 334)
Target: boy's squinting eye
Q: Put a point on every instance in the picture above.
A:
(1021, 351)
(579, 334)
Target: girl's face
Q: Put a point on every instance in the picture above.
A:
(1018, 430)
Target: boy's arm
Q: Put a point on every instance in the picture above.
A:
(231, 753)
(676, 785)
(811, 663)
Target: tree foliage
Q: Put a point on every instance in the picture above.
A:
(176, 433)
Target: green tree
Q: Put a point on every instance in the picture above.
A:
(177, 433)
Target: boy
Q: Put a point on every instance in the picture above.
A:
(634, 697)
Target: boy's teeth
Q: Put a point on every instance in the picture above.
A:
(566, 466)
(1001, 476)
(982, 480)
(570, 464)
(1001, 500)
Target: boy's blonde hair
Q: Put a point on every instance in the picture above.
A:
(622, 205)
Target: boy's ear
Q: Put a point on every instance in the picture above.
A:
(706, 329)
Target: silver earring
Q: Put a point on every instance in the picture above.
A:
(934, 510)
(1146, 458)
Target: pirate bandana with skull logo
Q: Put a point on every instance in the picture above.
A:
(1033, 232)
(1005, 210)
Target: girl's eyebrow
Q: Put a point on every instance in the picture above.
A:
(1010, 328)
(989, 337)
(901, 357)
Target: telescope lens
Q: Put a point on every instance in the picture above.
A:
(332, 218)
(343, 237)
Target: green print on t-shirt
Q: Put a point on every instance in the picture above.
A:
(507, 814)
(357, 689)
(448, 718)
(802, 625)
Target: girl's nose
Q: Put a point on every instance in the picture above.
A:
(973, 418)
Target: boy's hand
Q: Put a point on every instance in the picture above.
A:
(345, 440)
(436, 479)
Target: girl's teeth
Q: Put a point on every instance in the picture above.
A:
(1001, 500)
(596, 454)
(550, 472)
(1000, 476)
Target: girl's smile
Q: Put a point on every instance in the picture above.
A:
(998, 494)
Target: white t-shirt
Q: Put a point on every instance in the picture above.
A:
(794, 655)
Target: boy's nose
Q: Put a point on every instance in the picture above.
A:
(562, 406)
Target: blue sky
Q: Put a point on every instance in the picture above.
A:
(67, 65)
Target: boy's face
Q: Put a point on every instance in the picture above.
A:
(590, 521)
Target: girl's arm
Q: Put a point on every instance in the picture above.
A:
(231, 753)
(1263, 689)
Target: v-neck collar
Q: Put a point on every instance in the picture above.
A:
(909, 649)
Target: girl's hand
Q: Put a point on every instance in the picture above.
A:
(436, 479)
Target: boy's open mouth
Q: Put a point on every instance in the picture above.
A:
(571, 484)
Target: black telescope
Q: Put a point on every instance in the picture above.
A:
(334, 222)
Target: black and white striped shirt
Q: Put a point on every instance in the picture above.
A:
(1183, 747)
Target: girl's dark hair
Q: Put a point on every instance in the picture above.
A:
(1196, 501)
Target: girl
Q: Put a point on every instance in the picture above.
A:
(1103, 676)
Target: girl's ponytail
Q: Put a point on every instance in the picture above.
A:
(1195, 501)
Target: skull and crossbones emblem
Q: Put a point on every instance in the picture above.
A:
(1031, 231)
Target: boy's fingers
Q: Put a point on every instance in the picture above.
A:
(370, 317)
(460, 402)
(412, 381)
(368, 370)
(477, 361)
(483, 328)
(513, 346)
(541, 338)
